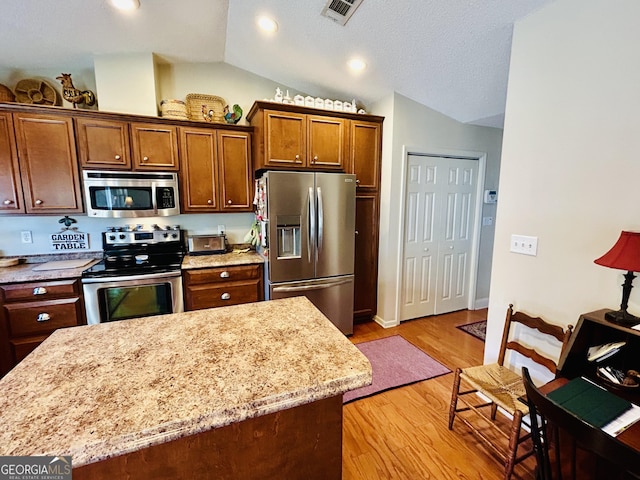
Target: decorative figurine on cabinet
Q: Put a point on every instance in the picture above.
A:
(72, 94)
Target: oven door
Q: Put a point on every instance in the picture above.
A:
(121, 298)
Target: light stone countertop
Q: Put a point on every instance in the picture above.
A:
(104, 390)
(221, 260)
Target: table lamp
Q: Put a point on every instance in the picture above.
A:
(624, 255)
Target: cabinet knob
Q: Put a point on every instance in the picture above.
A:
(8, 202)
(224, 274)
(210, 202)
(39, 291)
(118, 157)
(145, 159)
(38, 202)
(43, 317)
(229, 202)
(225, 296)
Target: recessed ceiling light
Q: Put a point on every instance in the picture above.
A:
(267, 24)
(356, 65)
(126, 5)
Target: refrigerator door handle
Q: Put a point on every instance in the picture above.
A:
(320, 223)
(317, 286)
(311, 231)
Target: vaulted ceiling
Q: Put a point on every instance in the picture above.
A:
(450, 55)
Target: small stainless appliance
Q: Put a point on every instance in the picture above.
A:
(311, 235)
(130, 194)
(207, 244)
(139, 275)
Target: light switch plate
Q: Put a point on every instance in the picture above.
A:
(524, 244)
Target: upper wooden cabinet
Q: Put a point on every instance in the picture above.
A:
(48, 163)
(296, 138)
(364, 153)
(10, 183)
(154, 146)
(216, 174)
(103, 144)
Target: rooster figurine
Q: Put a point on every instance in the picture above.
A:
(74, 95)
(233, 117)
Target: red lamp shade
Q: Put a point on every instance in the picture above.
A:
(625, 254)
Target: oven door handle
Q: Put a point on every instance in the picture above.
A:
(145, 276)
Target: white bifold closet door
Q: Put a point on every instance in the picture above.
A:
(439, 208)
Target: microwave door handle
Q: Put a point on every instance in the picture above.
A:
(320, 223)
(311, 230)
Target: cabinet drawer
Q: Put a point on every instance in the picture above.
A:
(221, 295)
(34, 318)
(24, 346)
(226, 274)
(39, 290)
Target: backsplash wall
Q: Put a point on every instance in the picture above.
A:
(41, 227)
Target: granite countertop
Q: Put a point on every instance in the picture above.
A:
(221, 260)
(104, 390)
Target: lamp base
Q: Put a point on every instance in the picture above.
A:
(622, 317)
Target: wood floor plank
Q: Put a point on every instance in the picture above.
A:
(403, 433)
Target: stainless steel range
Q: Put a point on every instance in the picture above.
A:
(139, 274)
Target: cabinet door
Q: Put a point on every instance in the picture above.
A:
(285, 139)
(199, 175)
(326, 142)
(10, 184)
(103, 143)
(364, 154)
(48, 163)
(154, 146)
(236, 175)
(366, 258)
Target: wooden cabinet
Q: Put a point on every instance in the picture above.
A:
(31, 312)
(216, 171)
(365, 162)
(154, 146)
(10, 183)
(48, 163)
(222, 286)
(297, 138)
(103, 144)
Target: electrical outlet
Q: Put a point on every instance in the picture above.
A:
(524, 244)
(222, 229)
(26, 236)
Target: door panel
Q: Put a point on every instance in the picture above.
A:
(291, 244)
(336, 224)
(438, 230)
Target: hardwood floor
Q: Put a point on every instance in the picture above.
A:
(403, 433)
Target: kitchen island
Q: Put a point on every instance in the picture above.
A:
(247, 391)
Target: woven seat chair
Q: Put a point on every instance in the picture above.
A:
(502, 388)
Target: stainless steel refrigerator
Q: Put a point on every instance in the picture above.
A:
(310, 233)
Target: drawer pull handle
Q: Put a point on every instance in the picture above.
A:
(225, 296)
(43, 317)
(224, 274)
(39, 291)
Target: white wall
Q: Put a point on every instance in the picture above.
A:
(570, 164)
(424, 130)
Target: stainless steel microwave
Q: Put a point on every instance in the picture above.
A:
(130, 194)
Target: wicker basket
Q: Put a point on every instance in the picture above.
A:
(205, 108)
(175, 109)
(6, 95)
(39, 92)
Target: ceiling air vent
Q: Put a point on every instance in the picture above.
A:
(340, 10)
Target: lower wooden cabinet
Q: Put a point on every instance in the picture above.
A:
(31, 312)
(222, 286)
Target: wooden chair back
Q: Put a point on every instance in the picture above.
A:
(542, 410)
(534, 323)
